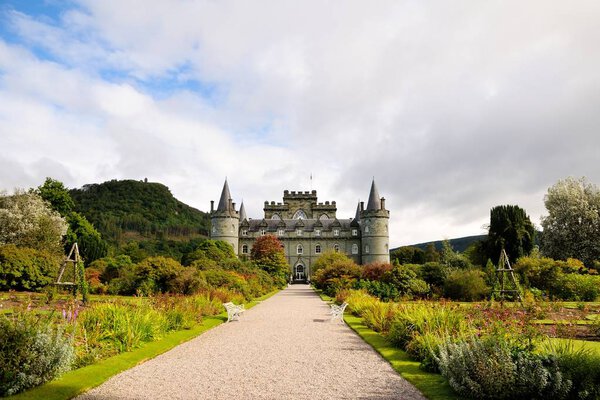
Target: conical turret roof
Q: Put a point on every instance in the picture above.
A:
(357, 215)
(225, 196)
(374, 199)
(243, 212)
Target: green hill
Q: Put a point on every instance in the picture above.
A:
(458, 244)
(128, 209)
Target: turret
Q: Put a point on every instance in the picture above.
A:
(225, 220)
(374, 228)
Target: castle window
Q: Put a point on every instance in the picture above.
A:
(281, 232)
(367, 249)
(354, 232)
(214, 229)
(336, 232)
(354, 248)
(275, 216)
(367, 229)
(298, 232)
(323, 216)
(263, 232)
(245, 249)
(318, 249)
(317, 232)
(244, 232)
(300, 214)
(336, 248)
(299, 249)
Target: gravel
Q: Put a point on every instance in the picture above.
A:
(284, 348)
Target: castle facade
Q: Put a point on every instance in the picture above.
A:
(306, 228)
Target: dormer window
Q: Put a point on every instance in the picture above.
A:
(354, 232)
(263, 232)
(299, 249)
(281, 232)
(244, 232)
(298, 232)
(317, 232)
(336, 232)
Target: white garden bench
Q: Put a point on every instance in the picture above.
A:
(337, 312)
(233, 311)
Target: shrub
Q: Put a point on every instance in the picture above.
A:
(375, 271)
(339, 275)
(32, 352)
(153, 274)
(188, 281)
(378, 315)
(405, 279)
(383, 290)
(23, 268)
(466, 285)
(580, 366)
(579, 287)
(219, 278)
(490, 369)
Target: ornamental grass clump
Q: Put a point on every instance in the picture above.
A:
(358, 301)
(491, 368)
(378, 315)
(32, 351)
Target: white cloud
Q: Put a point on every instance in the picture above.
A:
(454, 108)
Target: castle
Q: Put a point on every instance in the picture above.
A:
(306, 228)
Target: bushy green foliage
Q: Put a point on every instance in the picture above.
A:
(116, 207)
(32, 351)
(405, 279)
(466, 285)
(23, 268)
(490, 368)
(408, 255)
(578, 365)
(154, 275)
(382, 290)
(510, 229)
(342, 273)
(577, 287)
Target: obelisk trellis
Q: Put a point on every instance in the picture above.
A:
(506, 275)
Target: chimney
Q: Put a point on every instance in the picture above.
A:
(383, 203)
(212, 206)
(233, 206)
(362, 206)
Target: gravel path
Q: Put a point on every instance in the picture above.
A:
(284, 348)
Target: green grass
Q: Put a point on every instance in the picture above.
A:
(433, 386)
(578, 344)
(83, 379)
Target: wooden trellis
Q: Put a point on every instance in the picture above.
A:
(504, 269)
(68, 275)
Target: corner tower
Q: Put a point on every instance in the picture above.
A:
(225, 221)
(374, 228)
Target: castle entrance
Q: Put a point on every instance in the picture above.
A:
(299, 274)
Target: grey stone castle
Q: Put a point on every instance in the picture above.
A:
(306, 228)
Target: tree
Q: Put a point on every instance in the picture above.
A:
(572, 226)
(26, 220)
(91, 245)
(408, 255)
(267, 253)
(510, 229)
(329, 257)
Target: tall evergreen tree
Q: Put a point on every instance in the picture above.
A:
(510, 229)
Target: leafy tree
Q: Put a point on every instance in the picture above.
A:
(154, 274)
(215, 250)
(267, 253)
(453, 259)
(81, 231)
(572, 226)
(26, 220)
(328, 258)
(431, 253)
(406, 281)
(408, 255)
(510, 229)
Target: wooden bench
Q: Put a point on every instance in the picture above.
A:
(337, 312)
(233, 311)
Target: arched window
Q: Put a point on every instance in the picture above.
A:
(318, 249)
(367, 229)
(367, 249)
(245, 249)
(324, 216)
(299, 249)
(354, 248)
(300, 214)
(336, 248)
(275, 216)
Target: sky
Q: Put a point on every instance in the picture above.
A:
(453, 107)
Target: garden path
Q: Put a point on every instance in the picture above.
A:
(284, 348)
